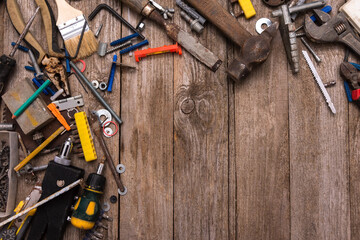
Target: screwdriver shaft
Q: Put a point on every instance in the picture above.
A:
(24, 32)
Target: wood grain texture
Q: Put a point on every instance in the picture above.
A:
(354, 156)
(146, 212)
(318, 151)
(201, 144)
(262, 148)
(208, 159)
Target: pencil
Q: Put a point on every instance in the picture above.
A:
(31, 99)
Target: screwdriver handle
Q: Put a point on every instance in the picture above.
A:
(6, 66)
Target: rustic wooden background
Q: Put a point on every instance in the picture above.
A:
(209, 159)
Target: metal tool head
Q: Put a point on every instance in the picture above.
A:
(254, 51)
(351, 74)
(330, 30)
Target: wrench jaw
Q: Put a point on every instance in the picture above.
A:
(320, 34)
(336, 29)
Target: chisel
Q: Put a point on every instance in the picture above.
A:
(188, 42)
(7, 63)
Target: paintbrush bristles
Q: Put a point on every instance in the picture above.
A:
(89, 45)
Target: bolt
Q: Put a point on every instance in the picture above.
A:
(317, 58)
(194, 23)
(190, 11)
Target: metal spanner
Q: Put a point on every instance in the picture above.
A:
(336, 29)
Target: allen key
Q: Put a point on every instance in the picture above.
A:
(118, 16)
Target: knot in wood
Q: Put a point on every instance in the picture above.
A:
(187, 106)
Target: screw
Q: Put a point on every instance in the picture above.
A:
(194, 23)
(317, 58)
(329, 84)
(129, 43)
(300, 34)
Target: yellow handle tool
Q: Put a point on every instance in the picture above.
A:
(39, 148)
(248, 8)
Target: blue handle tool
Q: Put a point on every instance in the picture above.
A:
(20, 47)
(112, 74)
(124, 39)
(129, 49)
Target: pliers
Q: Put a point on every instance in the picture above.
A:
(335, 29)
(55, 70)
(352, 76)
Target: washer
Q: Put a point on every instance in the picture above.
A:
(120, 168)
(102, 86)
(106, 207)
(122, 193)
(104, 113)
(95, 84)
(109, 132)
(260, 22)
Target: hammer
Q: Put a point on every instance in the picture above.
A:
(255, 49)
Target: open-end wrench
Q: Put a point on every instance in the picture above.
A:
(336, 29)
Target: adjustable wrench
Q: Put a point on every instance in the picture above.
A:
(336, 29)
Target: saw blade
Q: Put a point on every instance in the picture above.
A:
(319, 82)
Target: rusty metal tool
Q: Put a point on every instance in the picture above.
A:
(166, 12)
(288, 29)
(352, 76)
(188, 42)
(274, 3)
(96, 126)
(254, 51)
(336, 29)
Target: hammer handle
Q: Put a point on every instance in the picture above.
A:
(136, 5)
(218, 16)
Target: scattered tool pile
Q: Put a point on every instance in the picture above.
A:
(32, 107)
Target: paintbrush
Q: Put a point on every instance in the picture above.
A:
(72, 23)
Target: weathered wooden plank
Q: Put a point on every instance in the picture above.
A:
(318, 151)
(262, 145)
(98, 68)
(201, 144)
(146, 212)
(354, 153)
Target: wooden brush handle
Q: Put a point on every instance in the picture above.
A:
(66, 12)
(221, 18)
(50, 28)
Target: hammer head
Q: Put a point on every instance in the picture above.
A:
(254, 51)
